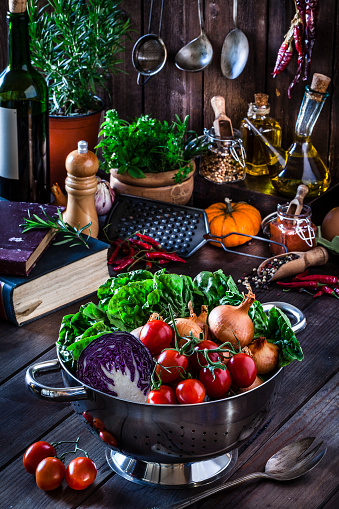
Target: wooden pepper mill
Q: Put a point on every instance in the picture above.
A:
(81, 185)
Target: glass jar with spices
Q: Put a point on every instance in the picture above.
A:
(296, 232)
(224, 161)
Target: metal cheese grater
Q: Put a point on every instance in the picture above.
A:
(177, 227)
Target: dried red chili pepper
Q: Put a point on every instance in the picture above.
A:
(124, 263)
(318, 294)
(150, 240)
(141, 244)
(311, 15)
(330, 291)
(301, 8)
(284, 56)
(156, 255)
(320, 278)
(148, 265)
(298, 41)
(113, 256)
(300, 284)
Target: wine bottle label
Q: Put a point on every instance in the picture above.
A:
(17, 6)
(9, 159)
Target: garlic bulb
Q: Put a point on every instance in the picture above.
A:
(104, 197)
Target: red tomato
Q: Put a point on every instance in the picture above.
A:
(80, 473)
(175, 363)
(190, 391)
(108, 438)
(87, 416)
(156, 335)
(242, 369)
(98, 424)
(199, 357)
(49, 474)
(163, 396)
(218, 386)
(36, 453)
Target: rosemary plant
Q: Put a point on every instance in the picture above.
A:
(70, 233)
(76, 44)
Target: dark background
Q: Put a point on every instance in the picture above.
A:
(172, 91)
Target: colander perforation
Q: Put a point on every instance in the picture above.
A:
(177, 228)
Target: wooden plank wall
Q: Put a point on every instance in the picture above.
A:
(172, 91)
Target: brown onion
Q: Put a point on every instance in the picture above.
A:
(256, 383)
(185, 326)
(265, 355)
(230, 322)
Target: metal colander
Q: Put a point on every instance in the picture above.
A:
(165, 445)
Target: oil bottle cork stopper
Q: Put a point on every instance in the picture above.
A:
(17, 6)
(320, 83)
(261, 100)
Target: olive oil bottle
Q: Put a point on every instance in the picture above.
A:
(256, 158)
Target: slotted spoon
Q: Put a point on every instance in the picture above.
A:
(290, 462)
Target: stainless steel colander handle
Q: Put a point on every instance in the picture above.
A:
(61, 394)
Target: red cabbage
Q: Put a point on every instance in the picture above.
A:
(118, 364)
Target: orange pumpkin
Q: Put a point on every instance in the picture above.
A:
(230, 217)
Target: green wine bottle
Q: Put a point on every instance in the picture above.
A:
(24, 146)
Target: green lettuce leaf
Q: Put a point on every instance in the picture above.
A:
(279, 332)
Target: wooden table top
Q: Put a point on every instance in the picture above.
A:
(306, 406)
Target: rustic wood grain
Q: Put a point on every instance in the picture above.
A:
(172, 91)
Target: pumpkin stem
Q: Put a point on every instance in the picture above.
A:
(228, 202)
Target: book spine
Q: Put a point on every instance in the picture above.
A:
(6, 303)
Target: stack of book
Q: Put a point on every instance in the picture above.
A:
(37, 276)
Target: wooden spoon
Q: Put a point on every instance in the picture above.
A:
(296, 205)
(316, 256)
(222, 124)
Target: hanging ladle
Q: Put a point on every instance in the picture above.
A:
(197, 54)
(149, 53)
(234, 53)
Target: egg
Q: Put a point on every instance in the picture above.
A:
(330, 225)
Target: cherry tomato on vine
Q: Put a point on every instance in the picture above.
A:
(36, 453)
(156, 335)
(190, 391)
(216, 386)
(98, 424)
(80, 473)
(197, 358)
(108, 438)
(49, 474)
(242, 369)
(163, 396)
(175, 363)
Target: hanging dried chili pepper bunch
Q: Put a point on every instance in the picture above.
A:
(302, 31)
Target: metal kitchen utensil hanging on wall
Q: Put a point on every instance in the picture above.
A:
(234, 53)
(149, 53)
(197, 54)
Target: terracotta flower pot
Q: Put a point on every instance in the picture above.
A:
(156, 186)
(64, 134)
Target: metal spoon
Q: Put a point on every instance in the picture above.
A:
(286, 464)
(197, 54)
(234, 53)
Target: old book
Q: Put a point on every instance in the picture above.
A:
(19, 251)
(62, 276)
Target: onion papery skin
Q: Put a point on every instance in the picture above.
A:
(185, 326)
(265, 355)
(229, 323)
(255, 384)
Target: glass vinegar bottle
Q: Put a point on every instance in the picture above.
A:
(304, 164)
(258, 112)
(24, 146)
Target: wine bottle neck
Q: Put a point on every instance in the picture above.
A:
(18, 41)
